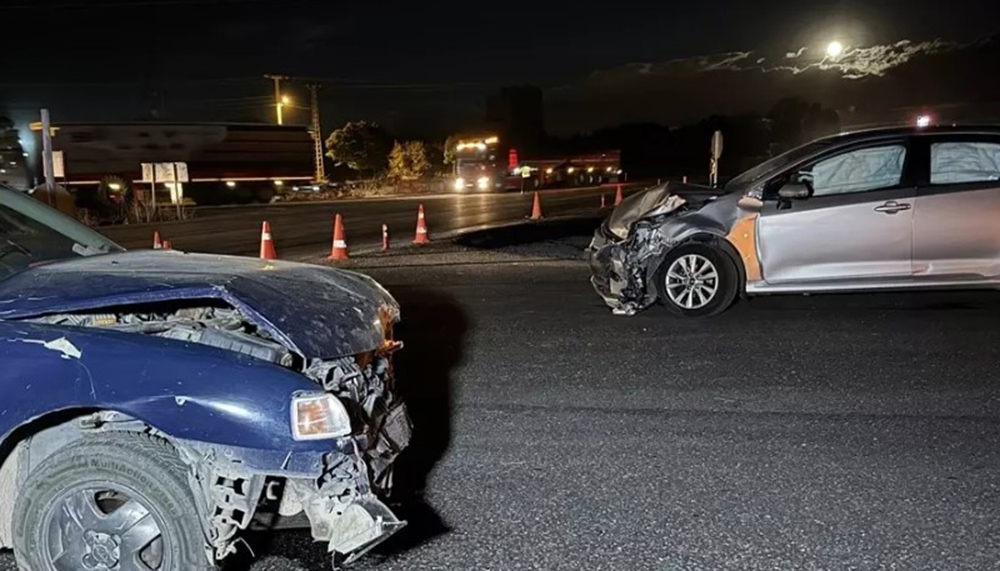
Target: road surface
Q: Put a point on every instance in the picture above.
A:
(303, 230)
(841, 432)
(844, 432)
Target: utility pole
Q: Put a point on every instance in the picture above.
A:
(47, 164)
(317, 133)
(278, 100)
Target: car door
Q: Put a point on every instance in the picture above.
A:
(956, 221)
(855, 226)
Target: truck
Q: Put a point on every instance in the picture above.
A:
(484, 163)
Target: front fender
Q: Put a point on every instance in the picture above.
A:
(188, 391)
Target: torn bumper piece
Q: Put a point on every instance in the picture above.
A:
(356, 529)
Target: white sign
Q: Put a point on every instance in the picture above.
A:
(717, 144)
(59, 164)
(164, 172)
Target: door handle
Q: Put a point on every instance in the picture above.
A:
(892, 207)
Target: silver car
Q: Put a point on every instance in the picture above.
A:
(875, 210)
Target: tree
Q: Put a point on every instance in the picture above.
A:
(409, 161)
(450, 151)
(796, 121)
(363, 146)
(12, 161)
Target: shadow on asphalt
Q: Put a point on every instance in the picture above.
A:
(581, 228)
(433, 330)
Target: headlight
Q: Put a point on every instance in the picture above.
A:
(483, 183)
(459, 183)
(319, 416)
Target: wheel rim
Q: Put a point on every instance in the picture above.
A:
(103, 528)
(692, 281)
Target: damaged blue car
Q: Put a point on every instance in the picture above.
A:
(157, 404)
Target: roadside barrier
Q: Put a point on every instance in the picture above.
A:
(267, 251)
(421, 235)
(339, 249)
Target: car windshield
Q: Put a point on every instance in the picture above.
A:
(777, 163)
(31, 233)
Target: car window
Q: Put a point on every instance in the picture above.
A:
(861, 170)
(32, 232)
(957, 163)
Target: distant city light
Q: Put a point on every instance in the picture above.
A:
(924, 121)
(279, 183)
(834, 49)
(286, 100)
(115, 186)
(231, 183)
(571, 170)
(590, 169)
(549, 170)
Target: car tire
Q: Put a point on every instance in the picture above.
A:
(703, 281)
(108, 500)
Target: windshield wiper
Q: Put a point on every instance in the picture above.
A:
(12, 247)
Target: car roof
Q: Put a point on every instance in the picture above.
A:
(889, 132)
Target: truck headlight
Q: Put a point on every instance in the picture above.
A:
(319, 416)
(483, 183)
(459, 183)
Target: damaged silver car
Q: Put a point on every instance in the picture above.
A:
(889, 209)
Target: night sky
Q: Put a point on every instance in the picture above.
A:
(424, 68)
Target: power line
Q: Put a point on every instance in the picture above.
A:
(126, 4)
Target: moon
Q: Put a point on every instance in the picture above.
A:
(834, 49)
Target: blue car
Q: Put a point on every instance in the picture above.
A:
(155, 404)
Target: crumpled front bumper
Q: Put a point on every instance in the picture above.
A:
(342, 505)
(620, 270)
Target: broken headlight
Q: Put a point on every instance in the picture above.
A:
(317, 416)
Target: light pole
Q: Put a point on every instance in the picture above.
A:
(279, 100)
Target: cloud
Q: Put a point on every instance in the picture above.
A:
(872, 61)
(865, 82)
(854, 63)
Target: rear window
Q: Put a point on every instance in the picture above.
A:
(958, 163)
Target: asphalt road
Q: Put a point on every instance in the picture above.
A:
(303, 230)
(845, 432)
(842, 432)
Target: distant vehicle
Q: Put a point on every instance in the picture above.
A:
(484, 163)
(891, 209)
(155, 404)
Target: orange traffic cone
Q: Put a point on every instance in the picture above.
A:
(167, 245)
(604, 203)
(618, 196)
(267, 251)
(339, 250)
(385, 238)
(536, 208)
(421, 235)
(157, 242)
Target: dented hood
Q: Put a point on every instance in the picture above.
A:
(320, 312)
(660, 199)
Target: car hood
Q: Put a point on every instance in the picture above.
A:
(319, 312)
(660, 199)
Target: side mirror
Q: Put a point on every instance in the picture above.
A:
(795, 190)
